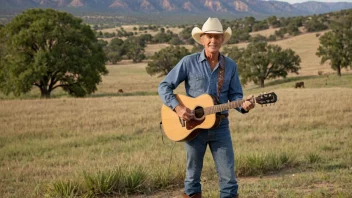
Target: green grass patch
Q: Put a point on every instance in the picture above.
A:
(138, 93)
(259, 163)
(66, 189)
(103, 183)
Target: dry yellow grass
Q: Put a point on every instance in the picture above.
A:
(266, 33)
(129, 28)
(129, 77)
(305, 46)
(46, 140)
(152, 48)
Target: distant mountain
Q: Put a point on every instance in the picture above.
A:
(162, 6)
(321, 7)
(179, 7)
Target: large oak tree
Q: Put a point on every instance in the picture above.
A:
(166, 59)
(260, 61)
(336, 45)
(49, 49)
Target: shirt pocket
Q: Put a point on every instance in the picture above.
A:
(196, 83)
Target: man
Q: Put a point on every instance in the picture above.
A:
(200, 72)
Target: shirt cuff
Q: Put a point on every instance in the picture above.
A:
(173, 104)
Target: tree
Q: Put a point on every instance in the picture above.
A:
(197, 48)
(134, 48)
(234, 53)
(115, 50)
(315, 25)
(50, 49)
(336, 45)
(261, 61)
(292, 29)
(164, 60)
(273, 21)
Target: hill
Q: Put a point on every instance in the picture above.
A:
(229, 8)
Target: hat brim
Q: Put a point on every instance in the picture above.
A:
(197, 32)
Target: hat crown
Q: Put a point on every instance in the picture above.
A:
(212, 25)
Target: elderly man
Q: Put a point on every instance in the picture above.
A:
(212, 73)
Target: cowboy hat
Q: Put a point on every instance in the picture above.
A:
(212, 26)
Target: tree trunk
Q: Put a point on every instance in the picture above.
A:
(45, 94)
(262, 82)
(339, 71)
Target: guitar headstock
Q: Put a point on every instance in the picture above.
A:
(266, 98)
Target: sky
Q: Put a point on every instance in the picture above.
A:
(300, 1)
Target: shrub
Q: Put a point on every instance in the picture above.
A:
(133, 179)
(103, 183)
(258, 164)
(313, 158)
(64, 189)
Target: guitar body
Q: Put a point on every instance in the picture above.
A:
(205, 111)
(172, 125)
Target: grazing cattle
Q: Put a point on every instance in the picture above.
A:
(299, 85)
(120, 91)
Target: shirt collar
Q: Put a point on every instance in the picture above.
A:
(202, 58)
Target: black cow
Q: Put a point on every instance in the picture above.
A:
(299, 85)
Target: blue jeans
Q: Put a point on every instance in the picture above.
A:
(220, 145)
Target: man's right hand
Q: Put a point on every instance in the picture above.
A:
(184, 113)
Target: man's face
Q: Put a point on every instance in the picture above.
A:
(212, 42)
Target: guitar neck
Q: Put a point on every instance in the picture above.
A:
(222, 107)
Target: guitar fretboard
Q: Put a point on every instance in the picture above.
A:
(222, 107)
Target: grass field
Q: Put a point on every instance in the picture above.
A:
(298, 147)
(110, 144)
(266, 33)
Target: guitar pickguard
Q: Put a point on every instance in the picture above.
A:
(193, 123)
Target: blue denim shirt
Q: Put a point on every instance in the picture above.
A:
(195, 70)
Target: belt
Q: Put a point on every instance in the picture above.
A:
(222, 116)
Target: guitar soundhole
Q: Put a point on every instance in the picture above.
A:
(199, 112)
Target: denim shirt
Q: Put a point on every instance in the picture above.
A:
(195, 70)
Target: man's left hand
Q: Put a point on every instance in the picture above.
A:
(249, 103)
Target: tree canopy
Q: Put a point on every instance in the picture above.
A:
(260, 61)
(50, 49)
(164, 60)
(336, 45)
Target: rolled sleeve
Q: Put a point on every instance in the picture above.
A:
(235, 90)
(171, 81)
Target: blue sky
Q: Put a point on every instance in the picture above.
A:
(300, 1)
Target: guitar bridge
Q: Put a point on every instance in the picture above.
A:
(182, 122)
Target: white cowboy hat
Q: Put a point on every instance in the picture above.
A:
(213, 26)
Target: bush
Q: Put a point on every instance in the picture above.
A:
(272, 38)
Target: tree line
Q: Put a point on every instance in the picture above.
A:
(49, 49)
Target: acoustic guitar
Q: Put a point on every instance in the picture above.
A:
(204, 111)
